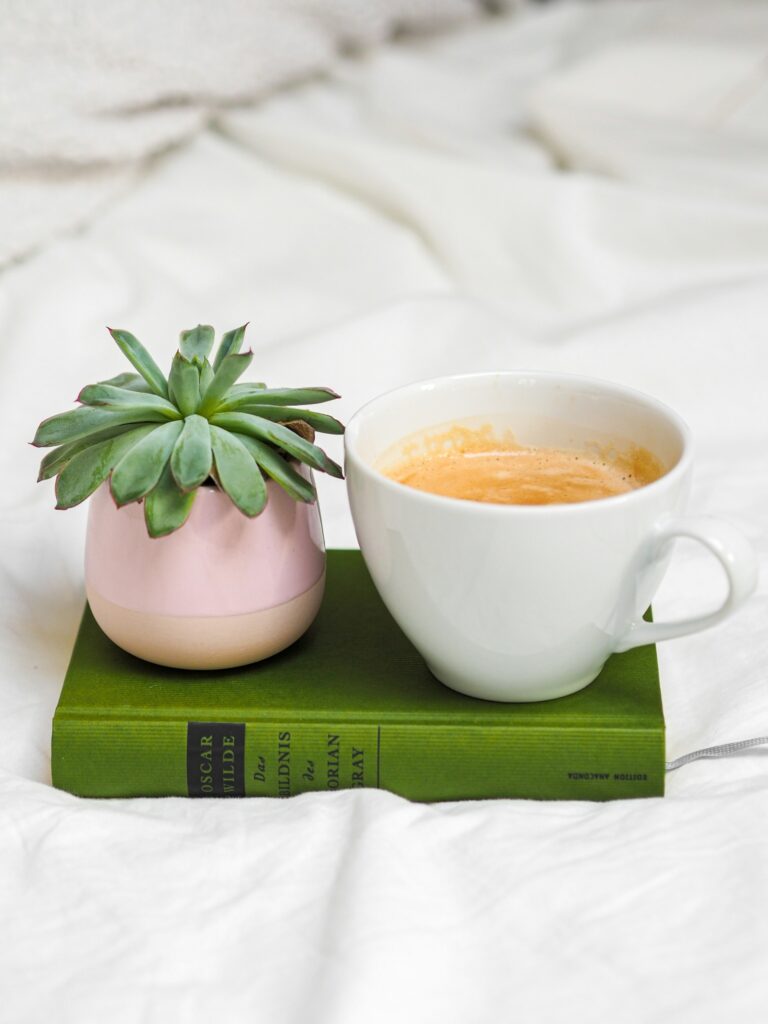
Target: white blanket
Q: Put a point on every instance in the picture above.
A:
(90, 90)
(396, 220)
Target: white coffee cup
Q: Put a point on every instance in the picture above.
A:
(523, 602)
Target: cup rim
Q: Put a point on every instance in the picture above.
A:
(679, 470)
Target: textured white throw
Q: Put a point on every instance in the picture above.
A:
(425, 207)
(89, 89)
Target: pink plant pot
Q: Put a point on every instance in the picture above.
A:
(224, 590)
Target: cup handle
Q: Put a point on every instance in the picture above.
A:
(732, 550)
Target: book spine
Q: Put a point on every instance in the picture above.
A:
(425, 761)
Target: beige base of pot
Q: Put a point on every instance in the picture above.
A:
(207, 642)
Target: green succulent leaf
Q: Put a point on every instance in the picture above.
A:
(206, 376)
(196, 344)
(237, 473)
(191, 458)
(248, 394)
(167, 507)
(284, 413)
(57, 459)
(132, 381)
(275, 466)
(135, 352)
(231, 343)
(86, 420)
(247, 388)
(282, 437)
(184, 384)
(140, 469)
(109, 395)
(229, 369)
(91, 467)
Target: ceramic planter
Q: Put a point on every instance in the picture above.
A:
(224, 590)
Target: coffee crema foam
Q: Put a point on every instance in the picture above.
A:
(475, 465)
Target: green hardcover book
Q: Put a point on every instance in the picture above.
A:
(351, 704)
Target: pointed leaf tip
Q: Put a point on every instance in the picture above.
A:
(230, 344)
(196, 343)
(136, 354)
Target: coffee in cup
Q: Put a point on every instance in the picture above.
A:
(478, 465)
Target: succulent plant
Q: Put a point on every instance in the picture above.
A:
(158, 440)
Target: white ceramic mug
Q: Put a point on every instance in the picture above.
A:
(525, 603)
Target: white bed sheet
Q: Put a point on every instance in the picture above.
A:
(374, 233)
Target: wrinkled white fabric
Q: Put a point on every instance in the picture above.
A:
(375, 231)
(90, 90)
(682, 103)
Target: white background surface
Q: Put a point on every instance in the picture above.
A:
(398, 220)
